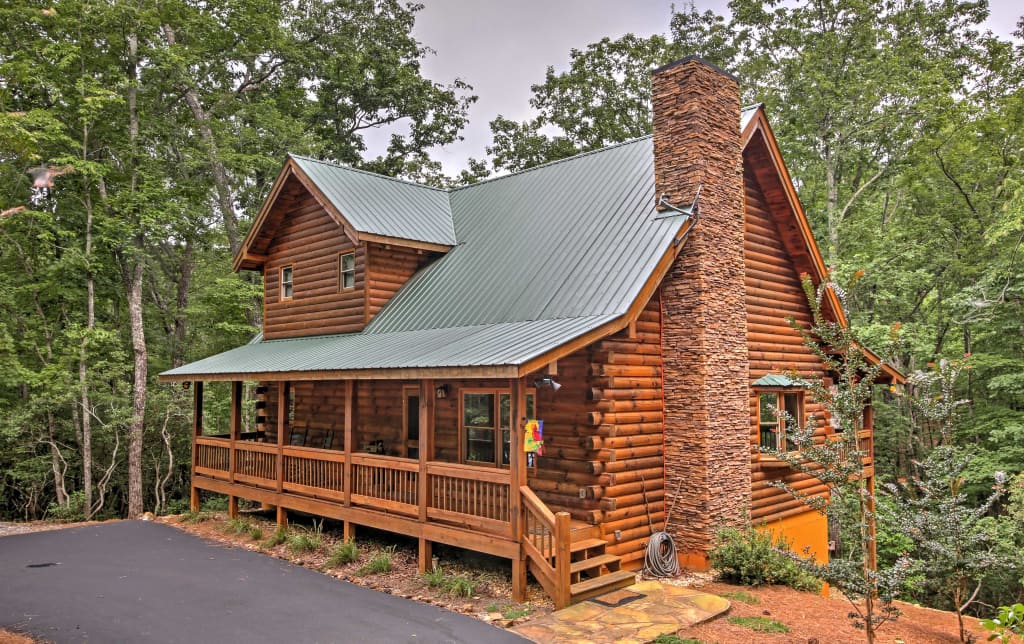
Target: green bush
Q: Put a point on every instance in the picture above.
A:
(73, 510)
(436, 578)
(380, 562)
(343, 553)
(279, 536)
(460, 587)
(753, 558)
(1006, 626)
(306, 540)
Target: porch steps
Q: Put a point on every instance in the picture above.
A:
(594, 572)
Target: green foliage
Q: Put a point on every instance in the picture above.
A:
(513, 612)
(760, 624)
(742, 596)
(73, 510)
(753, 558)
(460, 586)
(436, 578)
(1007, 625)
(306, 539)
(279, 536)
(344, 553)
(380, 562)
(672, 638)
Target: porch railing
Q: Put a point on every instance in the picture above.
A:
(467, 496)
(546, 544)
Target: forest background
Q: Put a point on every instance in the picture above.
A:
(137, 140)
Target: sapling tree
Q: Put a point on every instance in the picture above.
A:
(955, 548)
(838, 460)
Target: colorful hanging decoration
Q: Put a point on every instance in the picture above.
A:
(533, 441)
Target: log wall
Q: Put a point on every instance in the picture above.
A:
(388, 268)
(773, 293)
(310, 241)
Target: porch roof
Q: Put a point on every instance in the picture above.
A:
(487, 350)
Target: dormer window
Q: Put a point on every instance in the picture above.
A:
(347, 271)
(286, 282)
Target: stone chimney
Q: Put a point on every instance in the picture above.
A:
(704, 336)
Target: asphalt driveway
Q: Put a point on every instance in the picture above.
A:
(135, 581)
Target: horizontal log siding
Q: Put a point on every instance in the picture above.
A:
(310, 241)
(604, 437)
(774, 293)
(388, 268)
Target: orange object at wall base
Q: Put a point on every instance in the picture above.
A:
(807, 532)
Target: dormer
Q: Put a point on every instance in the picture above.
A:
(334, 245)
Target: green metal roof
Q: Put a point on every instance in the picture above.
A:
(542, 257)
(489, 345)
(775, 380)
(381, 205)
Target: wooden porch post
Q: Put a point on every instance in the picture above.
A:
(517, 478)
(348, 528)
(197, 430)
(426, 454)
(236, 431)
(283, 395)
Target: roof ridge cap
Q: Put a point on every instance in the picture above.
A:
(367, 172)
(551, 163)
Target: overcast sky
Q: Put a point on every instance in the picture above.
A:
(502, 47)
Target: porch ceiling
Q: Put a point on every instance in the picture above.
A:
(489, 350)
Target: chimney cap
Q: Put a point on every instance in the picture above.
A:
(698, 59)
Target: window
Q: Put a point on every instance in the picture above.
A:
(772, 424)
(487, 425)
(286, 282)
(347, 271)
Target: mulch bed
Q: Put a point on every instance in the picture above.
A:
(812, 618)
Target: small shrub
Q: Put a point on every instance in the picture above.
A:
(379, 563)
(343, 553)
(744, 597)
(255, 532)
(436, 578)
(307, 540)
(461, 587)
(237, 526)
(1007, 625)
(672, 638)
(70, 512)
(753, 558)
(277, 538)
(511, 612)
(176, 506)
(216, 504)
(195, 517)
(760, 624)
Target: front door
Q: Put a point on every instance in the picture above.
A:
(411, 423)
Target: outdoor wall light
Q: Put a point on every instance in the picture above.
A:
(442, 391)
(547, 381)
(186, 384)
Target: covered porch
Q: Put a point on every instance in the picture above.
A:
(404, 456)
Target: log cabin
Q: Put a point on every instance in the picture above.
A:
(633, 299)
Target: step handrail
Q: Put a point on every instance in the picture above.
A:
(555, 544)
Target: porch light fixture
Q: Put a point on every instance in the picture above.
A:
(547, 381)
(186, 385)
(442, 391)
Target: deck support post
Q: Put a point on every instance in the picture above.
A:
(197, 430)
(236, 432)
(425, 450)
(283, 398)
(517, 479)
(349, 528)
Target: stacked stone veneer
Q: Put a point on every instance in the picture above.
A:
(707, 412)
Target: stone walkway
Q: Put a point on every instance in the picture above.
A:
(634, 615)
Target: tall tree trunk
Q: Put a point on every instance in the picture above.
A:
(90, 323)
(134, 288)
(56, 462)
(180, 328)
(225, 197)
